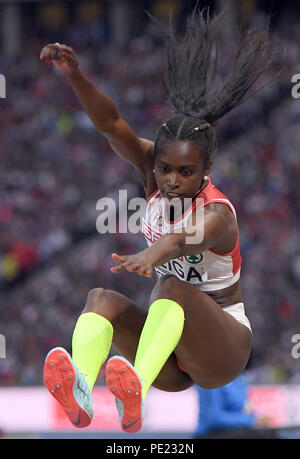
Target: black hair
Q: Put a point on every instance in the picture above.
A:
(191, 77)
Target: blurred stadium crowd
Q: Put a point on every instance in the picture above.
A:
(54, 166)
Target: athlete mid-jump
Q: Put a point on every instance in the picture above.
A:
(196, 330)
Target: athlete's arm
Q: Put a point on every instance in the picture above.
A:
(101, 110)
(207, 233)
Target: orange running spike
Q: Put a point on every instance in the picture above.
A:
(124, 382)
(68, 387)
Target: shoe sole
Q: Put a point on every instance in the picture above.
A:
(60, 378)
(124, 383)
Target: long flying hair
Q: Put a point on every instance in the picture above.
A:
(191, 78)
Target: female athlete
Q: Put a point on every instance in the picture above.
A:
(196, 330)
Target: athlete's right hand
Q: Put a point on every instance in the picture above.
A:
(62, 56)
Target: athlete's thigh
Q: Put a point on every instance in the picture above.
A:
(214, 348)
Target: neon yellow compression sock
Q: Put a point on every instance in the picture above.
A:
(160, 335)
(91, 342)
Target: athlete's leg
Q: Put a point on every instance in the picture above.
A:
(70, 379)
(148, 341)
(107, 314)
(214, 348)
(127, 320)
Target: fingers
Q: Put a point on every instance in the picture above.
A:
(51, 52)
(58, 52)
(124, 263)
(128, 263)
(117, 258)
(68, 53)
(121, 261)
(147, 272)
(142, 271)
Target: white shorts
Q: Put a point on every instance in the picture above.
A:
(238, 312)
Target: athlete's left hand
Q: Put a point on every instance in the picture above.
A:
(138, 263)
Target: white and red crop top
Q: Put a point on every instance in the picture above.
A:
(208, 270)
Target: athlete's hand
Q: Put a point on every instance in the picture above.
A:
(138, 263)
(62, 56)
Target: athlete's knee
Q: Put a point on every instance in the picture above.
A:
(99, 299)
(95, 298)
(107, 303)
(169, 287)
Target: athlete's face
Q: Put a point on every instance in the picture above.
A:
(179, 169)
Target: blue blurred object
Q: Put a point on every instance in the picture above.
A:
(224, 407)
